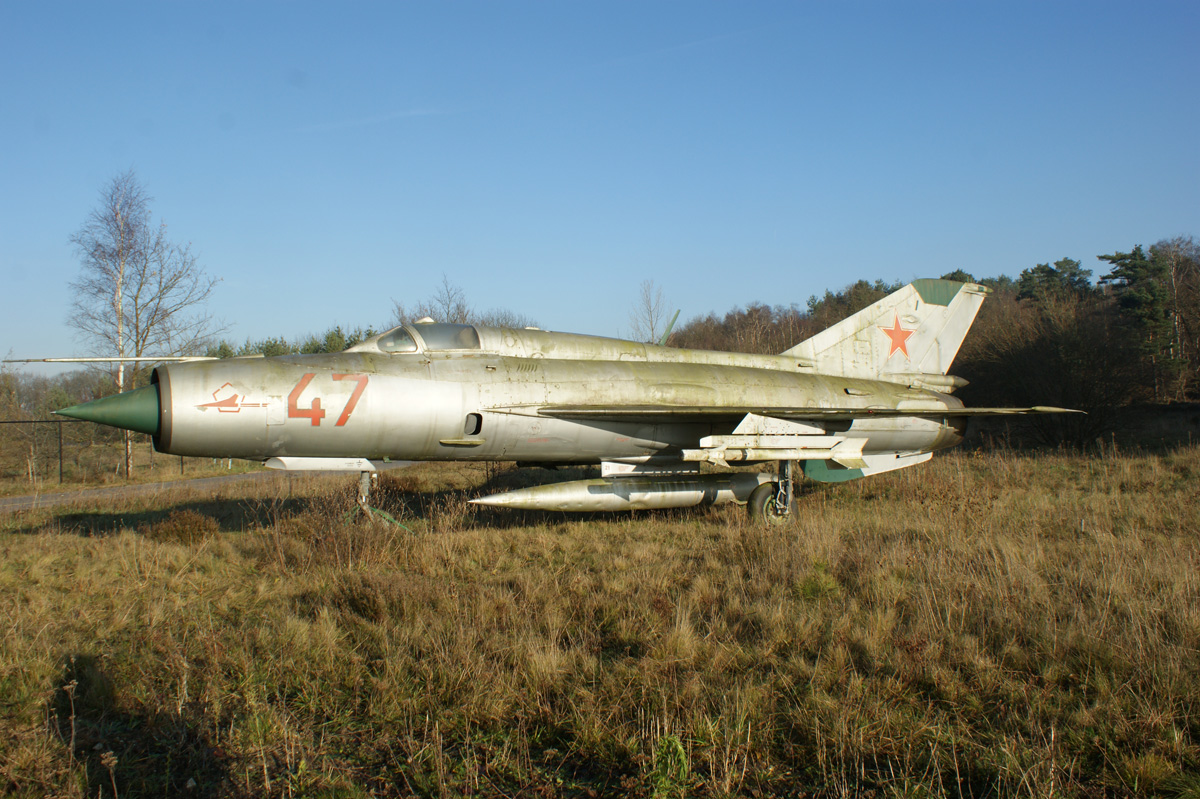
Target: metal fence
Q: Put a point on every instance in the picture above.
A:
(56, 423)
(70, 450)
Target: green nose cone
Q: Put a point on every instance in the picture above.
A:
(135, 410)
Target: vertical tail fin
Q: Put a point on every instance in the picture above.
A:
(914, 331)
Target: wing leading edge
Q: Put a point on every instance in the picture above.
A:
(656, 414)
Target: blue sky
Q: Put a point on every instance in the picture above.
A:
(327, 159)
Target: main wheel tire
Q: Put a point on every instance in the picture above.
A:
(761, 505)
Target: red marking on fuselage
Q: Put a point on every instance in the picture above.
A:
(315, 413)
(229, 404)
(354, 397)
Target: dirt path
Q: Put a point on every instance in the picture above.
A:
(32, 501)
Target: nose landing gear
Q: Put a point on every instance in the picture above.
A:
(367, 481)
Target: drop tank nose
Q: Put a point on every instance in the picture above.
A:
(136, 410)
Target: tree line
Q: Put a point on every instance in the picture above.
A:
(1052, 336)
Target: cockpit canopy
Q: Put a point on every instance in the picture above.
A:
(435, 336)
(444, 336)
(397, 340)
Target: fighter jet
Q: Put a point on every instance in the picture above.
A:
(867, 395)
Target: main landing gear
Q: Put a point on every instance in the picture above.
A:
(772, 503)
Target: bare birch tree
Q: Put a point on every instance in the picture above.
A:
(1181, 258)
(648, 317)
(137, 292)
(449, 304)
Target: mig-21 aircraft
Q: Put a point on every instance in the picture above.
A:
(867, 395)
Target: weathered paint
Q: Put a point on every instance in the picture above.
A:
(631, 493)
(823, 472)
(937, 292)
(868, 344)
(856, 399)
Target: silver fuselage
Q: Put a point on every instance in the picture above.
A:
(485, 403)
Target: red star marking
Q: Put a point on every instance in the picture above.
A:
(899, 337)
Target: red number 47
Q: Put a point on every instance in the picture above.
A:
(315, 412)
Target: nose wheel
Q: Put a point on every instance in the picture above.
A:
(772, 503)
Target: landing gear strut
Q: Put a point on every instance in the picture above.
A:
(367, 481)
(772, 502)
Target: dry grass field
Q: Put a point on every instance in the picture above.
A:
(986, 625)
